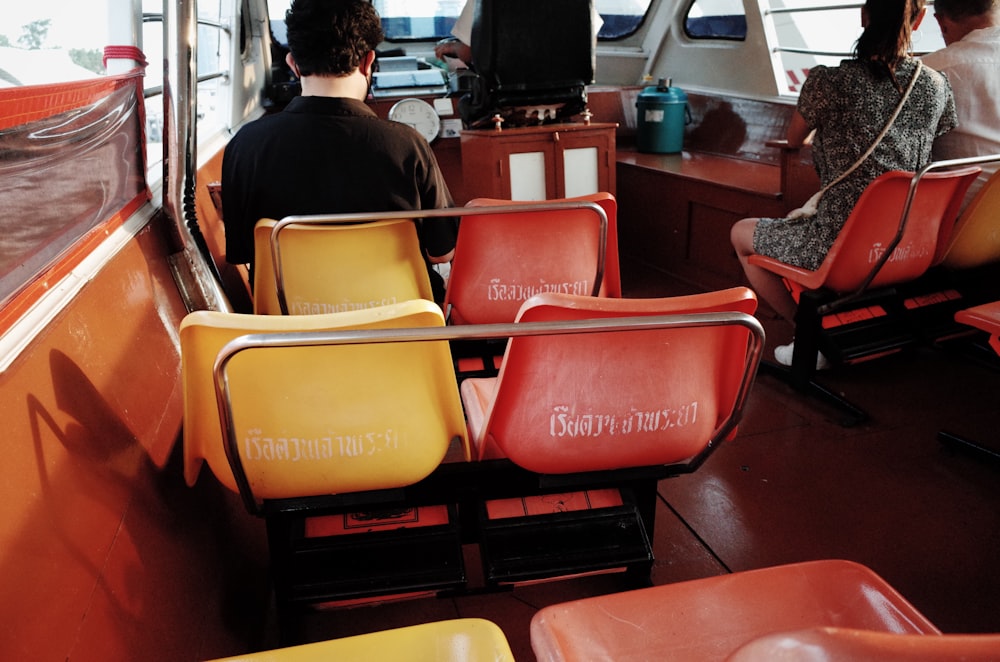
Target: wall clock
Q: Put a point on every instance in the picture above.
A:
(419, 114)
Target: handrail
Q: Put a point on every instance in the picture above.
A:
(193, 266)
(475, 332)
(351, 218)
(791, 11)
(803, 10)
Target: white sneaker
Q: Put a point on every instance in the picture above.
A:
(783, 355)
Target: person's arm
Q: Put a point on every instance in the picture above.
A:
(239, 239)
(799, 133)
(441, 259)
(457, 46)
(437, 235)
(453, 48)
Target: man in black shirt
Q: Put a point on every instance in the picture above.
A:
(327, 152)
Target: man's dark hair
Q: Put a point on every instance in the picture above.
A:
(330, 37)
(959, 9)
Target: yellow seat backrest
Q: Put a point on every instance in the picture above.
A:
(313, 419)
(976, 238)
(456, 640)
(326, 267)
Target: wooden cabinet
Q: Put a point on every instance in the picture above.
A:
(540, 162)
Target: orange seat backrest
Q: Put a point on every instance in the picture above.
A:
(598, 401)
(834, 644)
(710, 618)
(611, 285)
(874, 221)
(976, 238)
(985, 317)
(872, 226)
(875, 218)
(503, 259)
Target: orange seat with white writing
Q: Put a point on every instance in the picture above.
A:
(505, 256)
(598, 401)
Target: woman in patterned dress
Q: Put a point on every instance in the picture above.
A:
(848, 106)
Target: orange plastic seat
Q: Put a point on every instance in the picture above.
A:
(975, 240)
(985, 317)
(507, 252)
(830, 644)
(590, 402)
(872, 227)
(708, 619)
(892, 236)
(309, 265)
(592, 420)
(611, 284)
(457, 640)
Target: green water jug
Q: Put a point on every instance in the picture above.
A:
(662, 114)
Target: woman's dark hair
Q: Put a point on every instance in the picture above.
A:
(885, 41)
(330, 37)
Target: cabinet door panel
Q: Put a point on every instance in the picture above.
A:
(580, 171)
(527, 176)
(539, 163)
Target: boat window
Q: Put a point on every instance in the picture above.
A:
(812, 32)
(716, 19)
(621, 17)
(75, 114)
(214, 42)
(52, 41)
(424, 20)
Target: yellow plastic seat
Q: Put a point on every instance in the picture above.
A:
(706, 620)
(975, 240)
(315, 264)
(313, 419)
(458, 640)
(507, 252)
(322, 430)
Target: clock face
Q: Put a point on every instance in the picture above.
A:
(419, 114)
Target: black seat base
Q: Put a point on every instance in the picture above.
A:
(349, 566)
(535, 547)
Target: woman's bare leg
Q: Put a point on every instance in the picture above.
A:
(767, 285)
